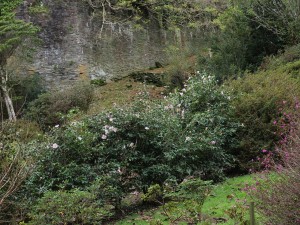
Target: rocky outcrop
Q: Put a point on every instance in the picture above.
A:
(76, 46)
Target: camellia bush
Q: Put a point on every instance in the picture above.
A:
(206, 118)
(130, 149)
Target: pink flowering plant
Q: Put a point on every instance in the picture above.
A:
(262, 102)
(277, 190)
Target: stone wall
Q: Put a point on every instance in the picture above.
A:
(74, 47)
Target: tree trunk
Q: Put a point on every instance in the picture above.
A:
(7, 99)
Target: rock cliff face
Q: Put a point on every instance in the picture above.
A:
(76, 46)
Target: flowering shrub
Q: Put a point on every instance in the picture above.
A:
(207, 122)
(148, 143)
(278, 190)
(260, 103)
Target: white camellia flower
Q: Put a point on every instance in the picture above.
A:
(54, 146)
(131, 145)
(188, 138)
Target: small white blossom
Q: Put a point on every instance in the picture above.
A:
(169, 107)
(146, 128)
(213, 142)
(104, 137)
(182, 114)
(56, 126)
(119, 170)
(54, 146)
(188, 138)
(131, 145)
(79, 138)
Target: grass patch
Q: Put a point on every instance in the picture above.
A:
(226, 200)
(121, 93)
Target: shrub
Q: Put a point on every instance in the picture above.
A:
(73, 207)
(182, 65)
(241, 43)
(48, 109)
(290, 54)
(136, 142)
(261, 99)
(278, 196)
(22, 131)
(126, 150)
(17, 160)
(209, 128)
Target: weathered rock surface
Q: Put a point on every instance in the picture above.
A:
(75, 48)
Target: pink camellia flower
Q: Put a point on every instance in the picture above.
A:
(275, 122)
(264, 151)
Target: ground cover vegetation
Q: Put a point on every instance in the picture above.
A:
(67, 160)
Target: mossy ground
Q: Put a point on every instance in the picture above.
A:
(223, 198)
(121, 93)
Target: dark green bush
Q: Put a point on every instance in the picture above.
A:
(209, 127)
(261, 99)
(241, 43)
(73, 207)
(288, 61)
(125, 150)
(145, 144)
(48, 109)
